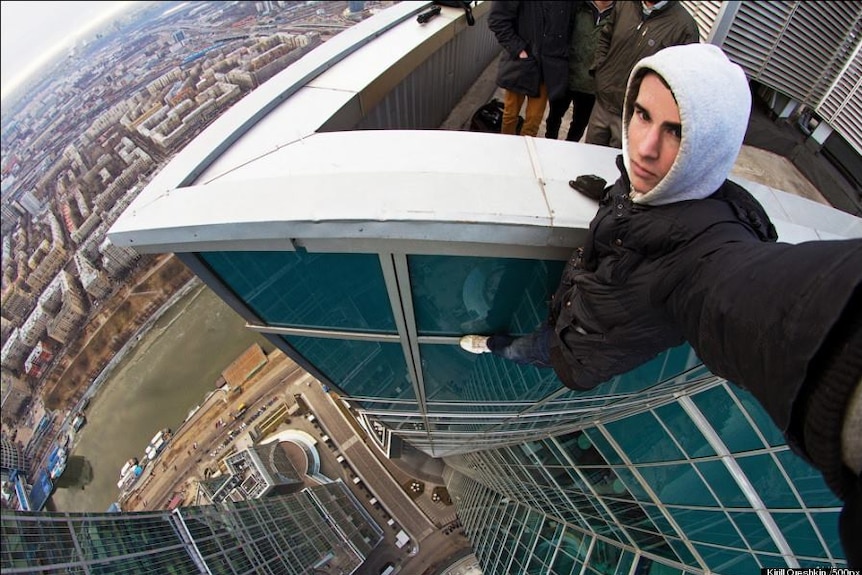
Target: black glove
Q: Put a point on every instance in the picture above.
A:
(591, 186)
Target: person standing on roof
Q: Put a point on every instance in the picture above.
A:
(534, 63)
(589, 19)
(634, 31)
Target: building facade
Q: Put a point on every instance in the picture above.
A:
(288, 534)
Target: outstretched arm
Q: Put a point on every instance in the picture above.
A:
(758, 314)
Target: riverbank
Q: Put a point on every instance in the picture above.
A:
(199, 441)
(162, 376)
(136, 338)
(111, 327)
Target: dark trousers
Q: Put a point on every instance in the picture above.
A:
(533, 349)
(583, 105)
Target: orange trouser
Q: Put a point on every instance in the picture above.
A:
(512, 102)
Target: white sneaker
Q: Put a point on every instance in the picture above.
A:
(475, 343)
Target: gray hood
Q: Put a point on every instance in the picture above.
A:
(714, 105)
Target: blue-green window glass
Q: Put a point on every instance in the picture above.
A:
(643, 439)
(653, 543)
(594, 437)
(684, 430)
(454, 295)
(667, 365)
(605, 481)
(727, 420)
(754, 531)
(625, 563)
(541, 452)
(827, 524)
(768, 481)
(658, 518)
(677, 484)
(359, 368)
(451, 374)
(682, 551)
(764, 423)
(580, 447)
(808, 481)
(727, 561)
(726, 488)
(630, 514)
(546, 544)
(712, 527)
(647, 566)
(575, 543)
(300, 289)
(570, 553)
(561, 458)
(608, 559)
(800, 534)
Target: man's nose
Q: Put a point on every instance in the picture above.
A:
(651, 143)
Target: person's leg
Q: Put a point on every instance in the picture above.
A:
(512, 102)
(597, 129)
(583, 107)
(535, 112)
(533, 349)
(556, 111)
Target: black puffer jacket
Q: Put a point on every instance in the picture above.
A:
(610, 311)
(543, 30)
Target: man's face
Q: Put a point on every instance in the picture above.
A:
(654, 134)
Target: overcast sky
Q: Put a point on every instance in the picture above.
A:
(31, 32)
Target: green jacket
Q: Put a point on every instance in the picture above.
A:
(582, 47)
(630, 36)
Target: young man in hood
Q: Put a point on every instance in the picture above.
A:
(676, 252)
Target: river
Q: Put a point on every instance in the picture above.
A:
(168, 373)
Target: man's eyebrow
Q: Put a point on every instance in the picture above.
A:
(673, 126)
(667, 125)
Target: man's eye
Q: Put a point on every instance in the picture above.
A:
(676, 132)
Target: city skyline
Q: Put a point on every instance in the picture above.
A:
(109, 95)
(36, 33)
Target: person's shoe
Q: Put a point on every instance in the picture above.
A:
(591, 186)
(475, 343)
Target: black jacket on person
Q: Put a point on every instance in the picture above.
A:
(709, 272)
(609, 312)
(540, 28)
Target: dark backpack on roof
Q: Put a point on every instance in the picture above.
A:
(456, 4)
(489, 118)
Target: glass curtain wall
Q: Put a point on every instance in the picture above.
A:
(386, 335)
(704, 482)
(287, 534)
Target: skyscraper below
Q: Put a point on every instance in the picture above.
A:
(290, 534)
